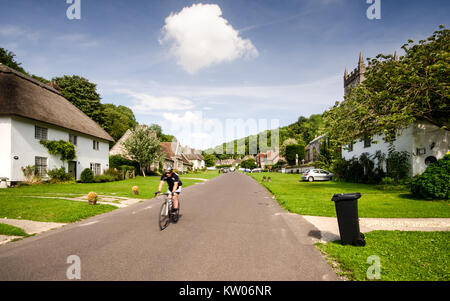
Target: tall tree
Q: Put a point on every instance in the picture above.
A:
(82, 94)
(143, 147)
(117, 120)
(161, 136)
(397, 92)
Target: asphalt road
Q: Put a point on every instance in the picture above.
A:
(230, 229)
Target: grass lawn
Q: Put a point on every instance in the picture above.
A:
(6, 229)
(16, 203)
(404, 256)
(314, 199)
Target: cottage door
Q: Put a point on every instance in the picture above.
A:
(73, 169)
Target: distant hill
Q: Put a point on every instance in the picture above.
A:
(303, 130)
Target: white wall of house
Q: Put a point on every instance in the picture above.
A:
(197, 164)
(419, 135)
(26, 147)
(5, 147)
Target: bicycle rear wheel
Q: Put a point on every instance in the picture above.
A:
(164, 217)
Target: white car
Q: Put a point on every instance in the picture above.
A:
(312, 175)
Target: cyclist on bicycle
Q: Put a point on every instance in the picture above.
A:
(173, 180)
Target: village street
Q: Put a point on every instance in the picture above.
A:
(230, 229)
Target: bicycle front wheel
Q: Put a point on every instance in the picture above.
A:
(164, 217)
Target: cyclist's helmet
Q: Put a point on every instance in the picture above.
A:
(168, 170)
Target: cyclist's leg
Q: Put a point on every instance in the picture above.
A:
(175, 198)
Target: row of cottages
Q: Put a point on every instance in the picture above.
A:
(195, 157)
(424, 141)
(31, 111)
(182, 159)
(174, 157)
(269, 158)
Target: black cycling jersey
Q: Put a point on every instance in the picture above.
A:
(171, 180)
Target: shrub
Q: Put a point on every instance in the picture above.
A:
(59, 175)
(31, 176)
(119, 161)
(387, 181)
(435, 180)
(398, 165)
(116, 174)
(87, 176)
(103, 179)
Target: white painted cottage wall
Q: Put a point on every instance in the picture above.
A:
(417, 135)
(5, 147)
(27, 147)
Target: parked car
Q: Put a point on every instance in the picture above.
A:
(256, 170)
(312, 175)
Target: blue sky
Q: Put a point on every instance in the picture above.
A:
(212, 60)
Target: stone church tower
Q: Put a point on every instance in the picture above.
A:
(356, 77)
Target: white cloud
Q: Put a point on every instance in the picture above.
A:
(200, 37)
(147, 104)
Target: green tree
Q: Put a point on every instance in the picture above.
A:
(117, 120)
(397, 92)
(286, 143)
(82, 94)
(143, 148)
(249, 163)
(294, 150)
(7, 58)
(161, 136)
(209, 160)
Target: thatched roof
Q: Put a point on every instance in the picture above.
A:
(23, 96)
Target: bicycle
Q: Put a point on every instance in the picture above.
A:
(165, 214)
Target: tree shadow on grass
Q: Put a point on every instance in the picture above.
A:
(412, 197)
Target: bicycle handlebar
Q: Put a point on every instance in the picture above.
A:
(167, 194)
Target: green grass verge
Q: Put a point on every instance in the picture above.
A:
(48, 210)
(147, 187)
(315, 198)
(404, 256)
(16, 203)
(6, 229)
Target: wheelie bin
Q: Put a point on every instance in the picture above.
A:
(348, 221)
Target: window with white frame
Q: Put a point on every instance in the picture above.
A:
(73, 139)
(40, 164)
(96, 169)
(95, 144)
(40, 133)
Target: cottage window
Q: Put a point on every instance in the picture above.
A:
(95, 144)
(40, 164)
(96, 169)
(73, 139)
(421, 151)
(40, 133)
